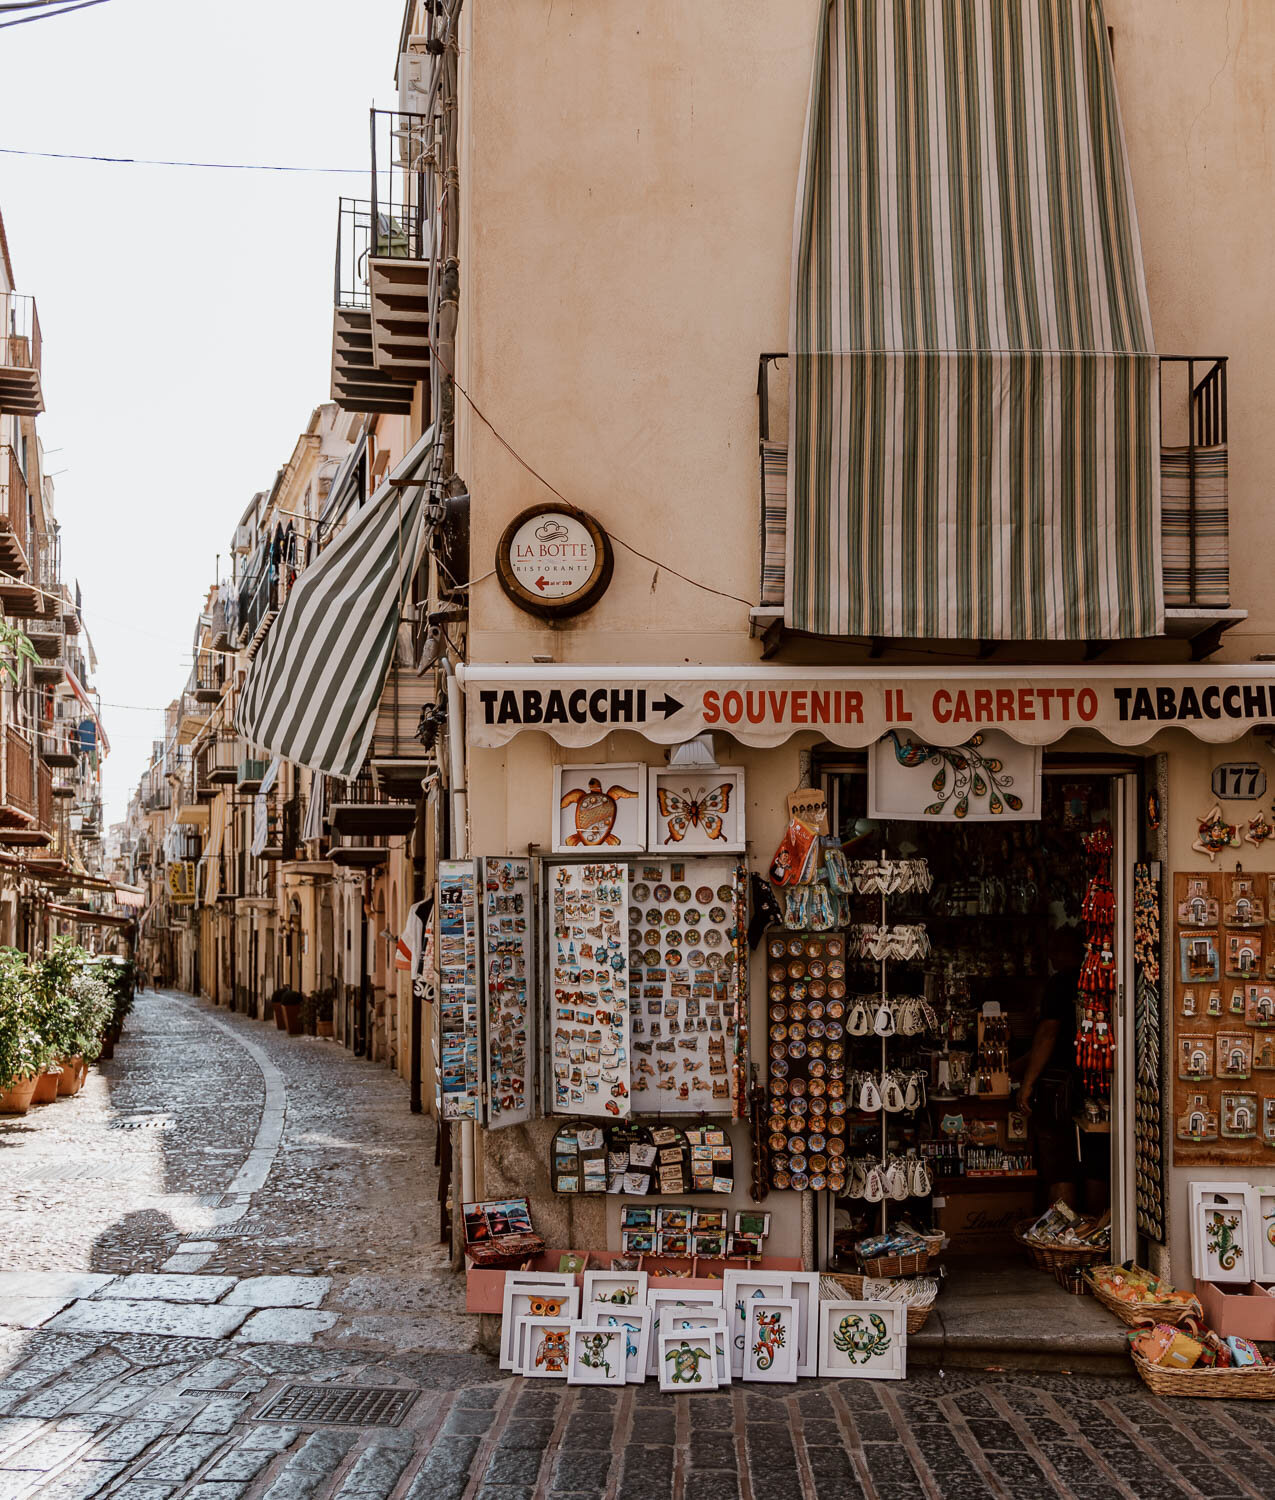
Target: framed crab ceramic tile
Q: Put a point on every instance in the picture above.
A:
(597, 1356)
(863, 1340)
(546, 1347)
(538, 1300)
(661, 1297)
(738, 1289)
(697, 810)
(770, 1339)
(689, 1320)
(599, 807)
(636, 1324)
(614, 1288)
(1224, 1220)
(688, 1361)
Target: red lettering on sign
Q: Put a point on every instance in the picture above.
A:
(711, 711)
(732, 707)
(1087, 704)
(941, 707)
(1026, 709)
(852, 711)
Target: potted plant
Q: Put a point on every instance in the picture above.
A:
(317, 1013)
(73, 1008)
(23, 1050)
(287, 1010)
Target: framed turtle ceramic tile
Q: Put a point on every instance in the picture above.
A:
(636, 1325)
(546, 1347)
(697, 810)
(863, 1340)
(770, 1339)
(614, 1288)
(597, 1356)
(600, 807)
(532, 1300)
(661, 1297)
(688, 1361)
(689, 1320)
(738, 1289)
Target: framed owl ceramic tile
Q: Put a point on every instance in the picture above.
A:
(542, 1300)
(697, 809)
(599, 807)
(863, 1340)
(688, 1361)
(770, 1339)
(546, 1344)
(596, 1356)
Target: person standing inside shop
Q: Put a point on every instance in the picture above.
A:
(1048, 1092)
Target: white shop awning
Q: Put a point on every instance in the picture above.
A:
(855, 706)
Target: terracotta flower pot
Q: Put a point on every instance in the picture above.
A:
(279, 1018)
(108, 1047)
(46, 1086)
(324, 1028)
(16, 1099)
(71, 1079)
(292, 1019)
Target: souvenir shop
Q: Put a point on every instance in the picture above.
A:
(857, 972)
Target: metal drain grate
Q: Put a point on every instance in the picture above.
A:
(144, 1122)
(338, 1405)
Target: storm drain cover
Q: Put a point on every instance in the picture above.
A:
(145, 1122)
(338, 1405)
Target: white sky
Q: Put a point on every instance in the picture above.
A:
(187, 315)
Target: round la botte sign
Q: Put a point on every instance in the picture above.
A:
(554, 560)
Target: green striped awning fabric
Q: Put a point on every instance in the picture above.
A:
(974, 403)
(312, 690)
(1208, 584)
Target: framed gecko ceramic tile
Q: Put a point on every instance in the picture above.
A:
(697, 810)
(1224, 1227)
(770, 1339)
(738, 1289)
(636, 1324)
(597, 1356)
(614, 1288)
(863, 1340)
(689, 1320)
(546, 1347)
(687, 1362)
(524, 1300)
(600, 807)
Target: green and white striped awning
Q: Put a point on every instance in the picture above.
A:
(973, 446)
(312, 690)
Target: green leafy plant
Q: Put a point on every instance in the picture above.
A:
(24, 1049)
(72, 1003)
(15, 649)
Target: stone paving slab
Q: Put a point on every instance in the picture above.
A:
(284, 1325)
(30, 1312)
(168, 1288)
(65, 1284)
(279, 1291)
(180, 1319)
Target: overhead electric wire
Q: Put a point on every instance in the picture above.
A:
(44, 14)
(149, 161)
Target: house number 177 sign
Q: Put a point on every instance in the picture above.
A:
(1239, 781)
(554, 560)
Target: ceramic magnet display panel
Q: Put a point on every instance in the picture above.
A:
(544, 1346)
(588, 988)
(597, 1356)
(599, 807)
(699, 809)
(684, 985)
(458, 1033)
(770, 1339)
(863, 1340)
(508, 967)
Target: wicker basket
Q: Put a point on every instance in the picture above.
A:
(854, 1287)
(1251, 1383)
(1058, 1258)
(1134, 1313)
(897, 1265)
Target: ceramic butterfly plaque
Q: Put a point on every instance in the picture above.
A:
(697, 808)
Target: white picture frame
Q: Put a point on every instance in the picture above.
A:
(591, 1364)
(887, 1363)
(803, 1286)
(1233, 1255)
(1265, 1233)
(628, 825)
(661, 1297)
(536, 1365)
(636, 1323)
(770, 1339)
(739, 1287)
(520, 1300)
(691, 1320)
(673, 1372)
(709, 822)
(600, 1287)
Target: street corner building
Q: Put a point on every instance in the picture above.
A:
(756, 691)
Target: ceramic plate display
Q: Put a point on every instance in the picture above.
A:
(597, 1356)
(1224, 1225)
(863, 1340)
(688, 1361)
(770, 1339)
(541, 1299)
(546, 1347)
(614, 1288)
(600, 808)
(457, 1039)
(509, 1017)
(699, 810)
(687, 1320)
(636, 1325)
(738, 1289)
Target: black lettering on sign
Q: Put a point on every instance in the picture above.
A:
(579, 706)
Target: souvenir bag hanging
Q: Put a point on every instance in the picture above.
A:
(794, 861)
(1095, 1041)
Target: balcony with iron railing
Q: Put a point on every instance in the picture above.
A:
(364, 805)
(223, 619)
(16, 591)
(21, 356)
(209, 677)
(59, 743)
(1193, 460)
(217, 764)
(400, 260)
(358, 383)
(260, 599)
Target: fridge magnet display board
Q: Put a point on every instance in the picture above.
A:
(684, 984)
(588, 961)
(599, 807)
(1223, 1056)
(458, 1024)
(508, 966)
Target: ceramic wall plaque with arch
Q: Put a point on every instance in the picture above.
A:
(1224, 1221)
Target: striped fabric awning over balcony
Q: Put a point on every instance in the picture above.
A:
(973, 445)
(312, 690)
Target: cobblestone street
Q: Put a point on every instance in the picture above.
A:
(226, 1213)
